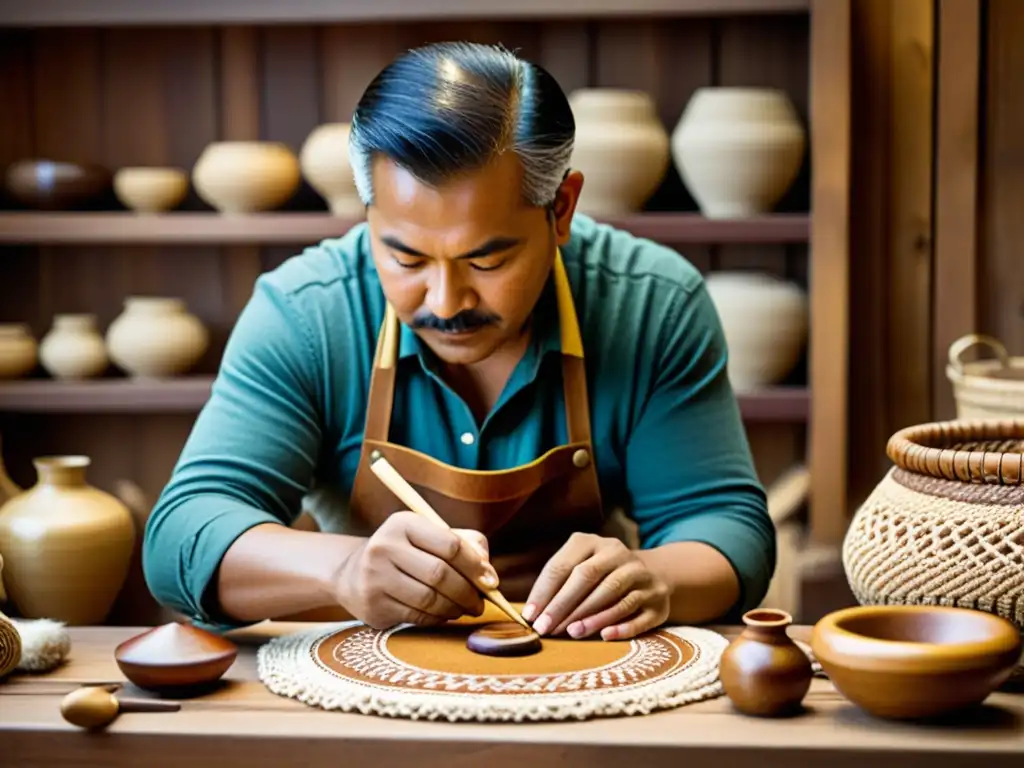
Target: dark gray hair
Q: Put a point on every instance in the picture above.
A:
(448, 108)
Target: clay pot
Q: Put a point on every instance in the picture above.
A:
(738, 150)
(915, 662)
(246, 176)
(621, 148)
(74, 348)
(52, 185)
(8, 488)
(67, 545)
(175, 656)
(763, 671)
(325, 164)
(765, 321)
(156, 337)
(151, 190)
(19, 351)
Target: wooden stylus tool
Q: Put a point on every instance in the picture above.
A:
(416, 503)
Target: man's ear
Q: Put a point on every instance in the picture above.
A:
(564, 206)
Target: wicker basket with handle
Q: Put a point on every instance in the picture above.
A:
(990, 388)
(945, 526)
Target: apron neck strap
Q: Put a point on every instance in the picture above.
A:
(574, 380)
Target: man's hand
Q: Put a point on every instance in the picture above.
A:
(596, 584)
(413, 571)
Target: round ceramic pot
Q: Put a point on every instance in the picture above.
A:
(74, 348)
(943, 526)
(156, 337)
(151, 190)
(19, 351)
(621, 148)
(765, 321)
(53, 185)
(325, 165)
(738, 150)
(67, 545)
(246, 176)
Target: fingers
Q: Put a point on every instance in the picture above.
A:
(476, 538)
(434, 586)
(621, 589)
(591, 577)
(462, 554)
(554, 576)
(644, 621)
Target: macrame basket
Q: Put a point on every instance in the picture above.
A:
(990, 388)
(945, 526)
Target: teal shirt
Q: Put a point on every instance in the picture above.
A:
(287, 408)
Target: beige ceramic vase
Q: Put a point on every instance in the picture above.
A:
(246, 176)
(621, 148)
(156, 337)
(19, 351)
(325, 164)
(73, 348)
(67, 545)
(8, 488)
(151, 190)
(738, 150)
(765, 322)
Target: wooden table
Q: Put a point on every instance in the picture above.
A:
(242, 724)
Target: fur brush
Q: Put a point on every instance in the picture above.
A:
(37, 645)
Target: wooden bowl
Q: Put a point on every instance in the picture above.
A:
(915, 662)
(52, 185)
(175, 656)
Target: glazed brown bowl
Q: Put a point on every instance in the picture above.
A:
(175, 657)
(915, 662)
(52, 185)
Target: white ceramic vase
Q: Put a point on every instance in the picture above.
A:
(19, 351)
(738, 150)
(621, 148)
(246, 176)
(73, 348)
(765, 322)
(325, 165)
(156, 337)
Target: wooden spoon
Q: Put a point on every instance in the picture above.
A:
(97, 706)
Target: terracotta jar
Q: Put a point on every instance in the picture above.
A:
(738, 150)
(765, 322)
(156, 337)
(74, 348)
(325, 164)
(246, 176)
(67, 545)
(621, 148)
(19, 351)
(763, 671)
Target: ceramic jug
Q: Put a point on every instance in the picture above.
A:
(156, 337)
(73, 348)
(67, 545)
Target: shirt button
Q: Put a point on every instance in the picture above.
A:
(467, 438)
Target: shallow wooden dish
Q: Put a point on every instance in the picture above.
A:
(175, 657)
(915, 662)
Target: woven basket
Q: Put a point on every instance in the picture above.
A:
(945, 526)
(989, 388)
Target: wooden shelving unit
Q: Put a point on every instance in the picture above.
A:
(294, 228)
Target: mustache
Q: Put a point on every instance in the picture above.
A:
(467, 320)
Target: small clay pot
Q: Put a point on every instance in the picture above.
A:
(175, 657)
(763, 671)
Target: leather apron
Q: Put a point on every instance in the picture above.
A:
(526, 512)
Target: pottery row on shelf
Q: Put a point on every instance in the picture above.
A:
(153, 337)
(737, 150)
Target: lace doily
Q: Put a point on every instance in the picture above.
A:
(423, 674)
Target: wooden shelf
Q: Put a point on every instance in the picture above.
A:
(117, 228)
(188, 394)
(50, 13)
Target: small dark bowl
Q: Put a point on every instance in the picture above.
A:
(915, 662)
(52, 185)
(175, 657)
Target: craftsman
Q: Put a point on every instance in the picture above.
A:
(529, 370)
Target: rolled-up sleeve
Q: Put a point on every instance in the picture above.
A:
(248, 460)
(689, 470)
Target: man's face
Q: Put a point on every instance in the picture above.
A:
(464, 264)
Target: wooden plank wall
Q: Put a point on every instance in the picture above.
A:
(124, 96)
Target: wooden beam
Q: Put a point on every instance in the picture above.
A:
(955, 311)
(830, 116)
